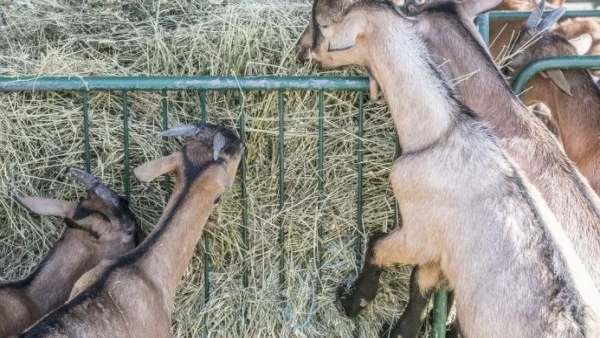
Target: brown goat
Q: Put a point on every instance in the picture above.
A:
(502, 33)
(452, 38)
(571, 95)
(133, 296)
(454, 42)
(466, 208)
(99, 227)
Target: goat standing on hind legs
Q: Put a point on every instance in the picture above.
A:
(99, 227)
(466, 207)
(133, 296)
(453, 41)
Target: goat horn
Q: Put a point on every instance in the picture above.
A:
(218, 144)
(183, 130)
(551, 19)
(96, 186)
(536, 15)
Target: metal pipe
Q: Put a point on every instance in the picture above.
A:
(525, 14)
(440, 309)
(137, 83)
(483, 23)
(556, 62)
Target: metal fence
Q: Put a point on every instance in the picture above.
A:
(203, 85)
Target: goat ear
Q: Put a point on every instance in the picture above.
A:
(345, 37)
(557, 76)
(551, 19)
(155, 168)
(582, 43)
(534, 18)
(540, 110)
(47, 206)
(472, 8)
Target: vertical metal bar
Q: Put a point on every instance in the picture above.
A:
(440, 309)
(203, 105)
(358, 232)
(165, 125)
(244, 188)
(281, 188)
(127, 183)
(483, 23)
(321, 182)
(86, 131)
(206, 238)
(359, 171)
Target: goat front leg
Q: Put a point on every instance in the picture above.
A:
(423, 282)
(383, 250)
(336, 59)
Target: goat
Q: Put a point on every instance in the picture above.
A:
(99, 227)
(502, 33)
(467, 209)
(453, 40)
(571, 95)
(133, 296)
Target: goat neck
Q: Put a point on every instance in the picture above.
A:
(73, 250)
(579, 127)
(461, 55)
(27, 300)
(170, 247)
(416, 94)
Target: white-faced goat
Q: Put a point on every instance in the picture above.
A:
(571, 95)
(453, 41)
(99, 227)
(133, 296)
(466, 208)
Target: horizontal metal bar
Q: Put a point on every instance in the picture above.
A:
(525, 14)
(184, 83)
(557, 62)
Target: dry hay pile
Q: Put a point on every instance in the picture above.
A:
(41, 137)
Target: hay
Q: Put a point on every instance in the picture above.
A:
(41, 137)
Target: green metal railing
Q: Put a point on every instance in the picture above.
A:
(560, 62)
(203, 85)
(483, 20)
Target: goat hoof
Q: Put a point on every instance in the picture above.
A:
(347, 301)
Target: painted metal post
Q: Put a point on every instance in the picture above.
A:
(440, 309)
(483, 24)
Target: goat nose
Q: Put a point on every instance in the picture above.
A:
(302, 53)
